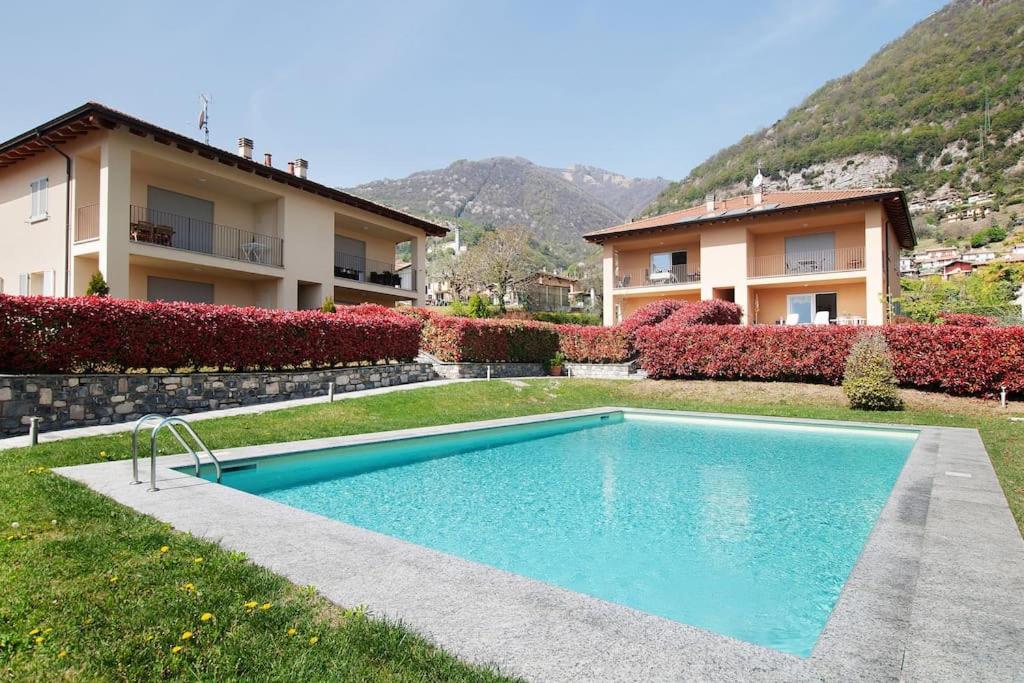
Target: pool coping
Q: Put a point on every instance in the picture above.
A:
(936, 593)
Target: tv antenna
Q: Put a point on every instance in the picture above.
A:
(204, 115)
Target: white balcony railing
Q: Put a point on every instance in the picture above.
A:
(807, 262)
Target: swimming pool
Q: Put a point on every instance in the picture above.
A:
(747, 528)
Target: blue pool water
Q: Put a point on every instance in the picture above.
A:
(747, 529)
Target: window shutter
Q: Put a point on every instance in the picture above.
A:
(38, 188)
(23, 284)
(48, 281)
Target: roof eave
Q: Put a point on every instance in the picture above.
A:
(138, 126)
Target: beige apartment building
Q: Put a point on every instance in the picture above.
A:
(797, 257)
(163, 216)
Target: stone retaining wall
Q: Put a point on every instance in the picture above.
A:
(603, 371)
(64, 401)
(479, 370)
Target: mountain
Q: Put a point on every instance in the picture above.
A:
(939, 112)
(556, 205)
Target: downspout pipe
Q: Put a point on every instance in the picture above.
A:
(67, 213)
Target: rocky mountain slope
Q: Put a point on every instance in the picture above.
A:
(939, 112)
(556, 205)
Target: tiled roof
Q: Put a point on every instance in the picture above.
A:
(93, 116)
(772, 203)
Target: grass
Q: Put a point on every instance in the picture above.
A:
(89, 574)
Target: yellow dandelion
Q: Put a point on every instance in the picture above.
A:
(47, 631)
(40, 640)
(292, 632)
(251, 604)
(265, 606)
(176, 649)
(314, 640)
(113, 579)
(206, 616)
(198, 560)
(103, 454)
(189, 587)
(187, 635)
(62, 654)
(149, 637)
(165, 549)
(33, 632)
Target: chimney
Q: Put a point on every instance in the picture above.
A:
(758, 186)
(301, 167)
(709, 201)
(267, 161)
(291, 167)
(245, 148)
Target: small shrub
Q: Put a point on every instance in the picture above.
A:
(557, 360)
(97, 286)
(477, 307)
(869, 381)
(328, 305)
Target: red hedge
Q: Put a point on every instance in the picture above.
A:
(966, 319)
(954, 359)
(594, 344)
(456, 340)
(44, 334)
(795, 354)
(957, 359)
(707, 312)
(650, 314)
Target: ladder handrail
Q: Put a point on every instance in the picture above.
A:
(170, 422)
(135, 443)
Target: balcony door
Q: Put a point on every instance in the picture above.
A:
(806, 306)
(191, 218)
(811, 253)
(667, 267)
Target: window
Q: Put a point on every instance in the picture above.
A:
(38, 189)
(668, 261)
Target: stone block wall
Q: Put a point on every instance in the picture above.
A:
(604, 371)
(65, 401)
(479, 370)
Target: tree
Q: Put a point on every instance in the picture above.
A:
(328, 305)
(97, 286)
(449, 267)
(499, 259)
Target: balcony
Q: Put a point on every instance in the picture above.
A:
(676, 275)
(149, 226)
(840, 260)
(383, 273)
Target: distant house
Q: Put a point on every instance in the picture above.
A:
(979, 256)
(542, 291)
(956, 268)
(940, 254)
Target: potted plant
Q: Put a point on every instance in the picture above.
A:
(556, 363)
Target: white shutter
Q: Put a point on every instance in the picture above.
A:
(23, 284)
(39, 203)
(48, 280)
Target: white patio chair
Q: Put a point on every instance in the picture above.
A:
(821, 318)
(793, 319)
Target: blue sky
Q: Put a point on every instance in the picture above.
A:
(380, 89)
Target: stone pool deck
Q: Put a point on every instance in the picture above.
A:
(937, 594)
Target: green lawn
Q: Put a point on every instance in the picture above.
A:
(88, 578)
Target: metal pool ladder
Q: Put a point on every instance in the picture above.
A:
(169, 423)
